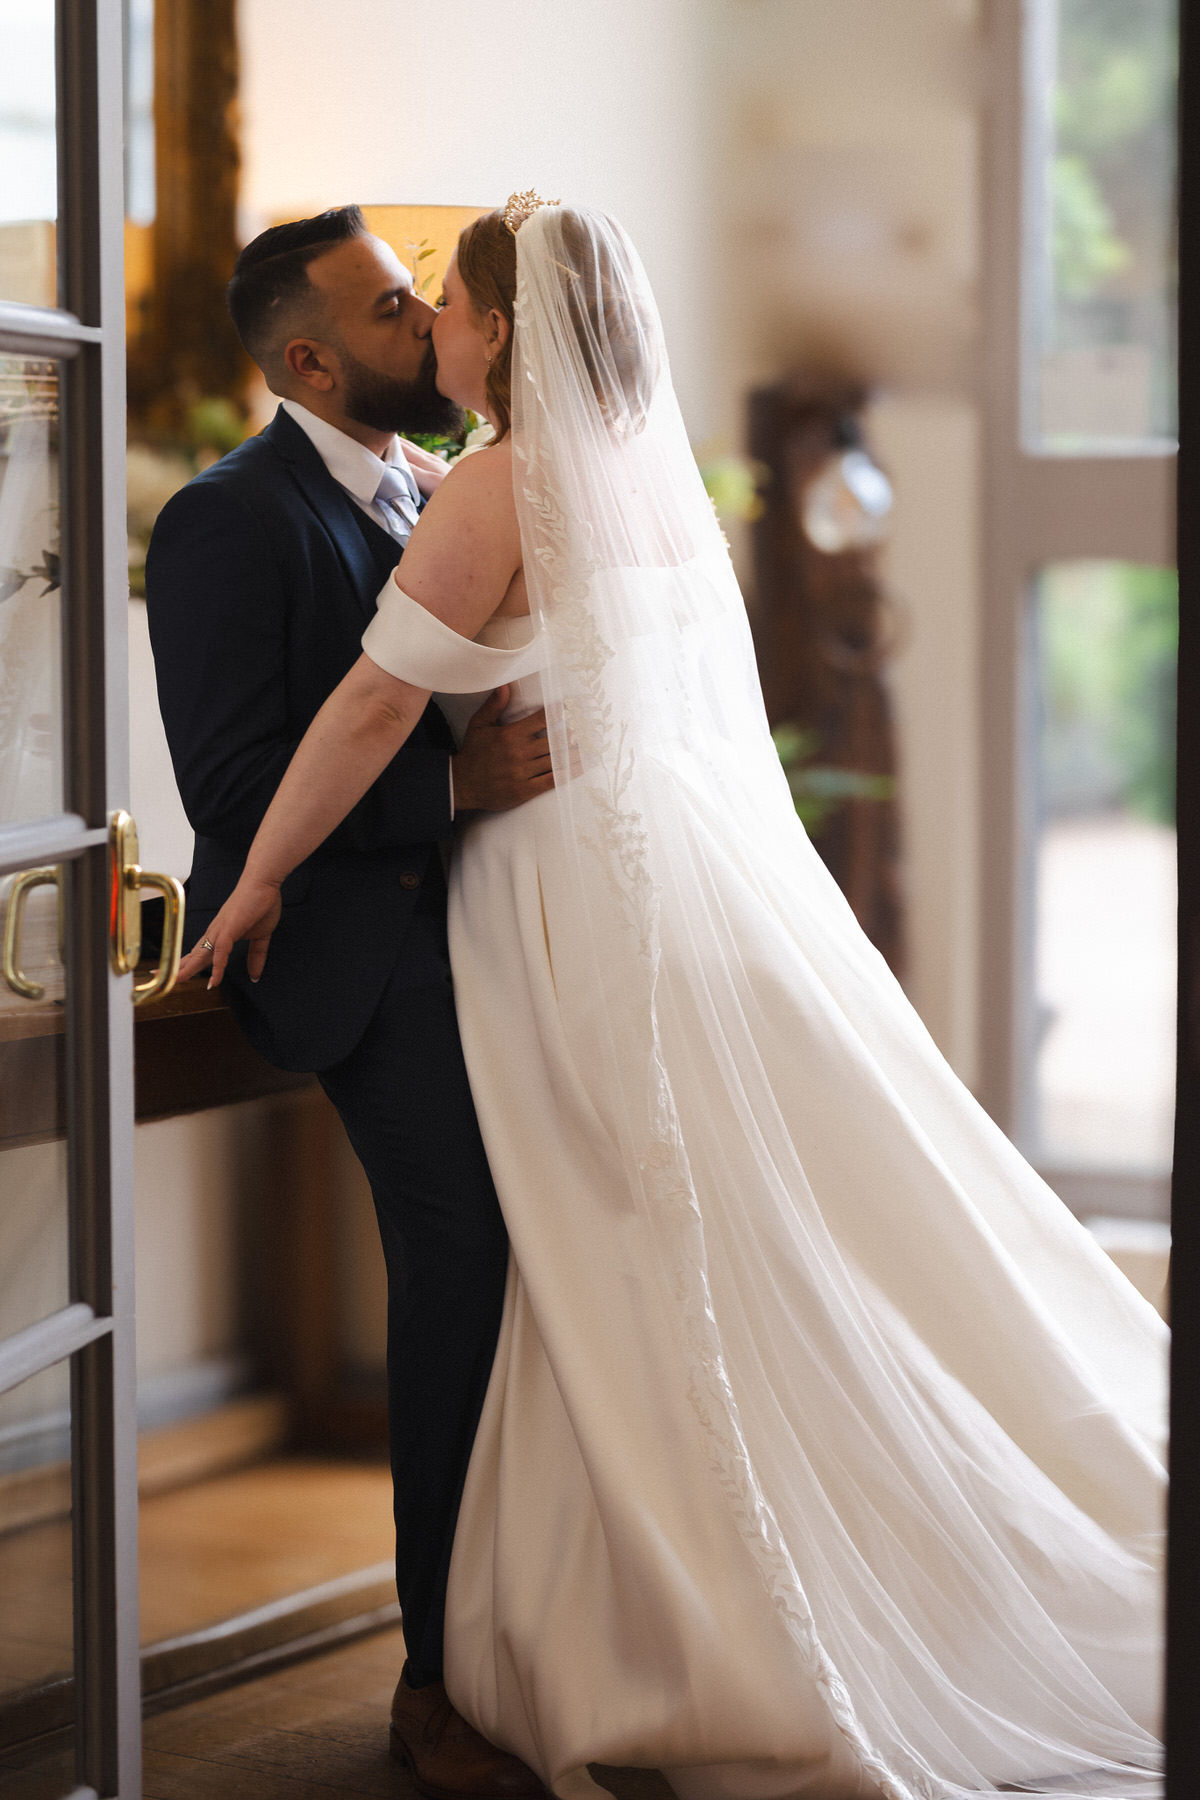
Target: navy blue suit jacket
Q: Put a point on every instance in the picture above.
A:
(261, 577)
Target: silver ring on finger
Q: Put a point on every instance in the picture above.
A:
(207, 944)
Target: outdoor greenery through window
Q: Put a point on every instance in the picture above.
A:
(1107, 636)
(1100, 369)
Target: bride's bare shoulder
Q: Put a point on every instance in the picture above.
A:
(483, 472)
(466, 547)
(476, 495)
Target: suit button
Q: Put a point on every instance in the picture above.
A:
(409, 880)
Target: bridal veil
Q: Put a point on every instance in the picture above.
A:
(928, 1404)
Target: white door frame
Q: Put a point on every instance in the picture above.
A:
(86, 335)
(1037, 509)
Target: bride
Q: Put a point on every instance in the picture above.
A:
(821, 1455)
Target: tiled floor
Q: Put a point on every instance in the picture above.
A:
(315, 1731)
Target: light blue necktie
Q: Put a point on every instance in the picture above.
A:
(398, 495)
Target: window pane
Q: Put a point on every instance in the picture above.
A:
(1102, 118)
(139, 111)
(36, 1579)
(34, 1268)
(28, 153)
(1106, 636)
(31, 763)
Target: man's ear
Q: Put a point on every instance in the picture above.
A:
(308, 362)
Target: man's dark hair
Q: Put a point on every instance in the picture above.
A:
(271, 276)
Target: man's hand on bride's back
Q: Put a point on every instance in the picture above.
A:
(251, 911)
(501, 766)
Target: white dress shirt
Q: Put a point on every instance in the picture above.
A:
(351, 464)
(357, 470)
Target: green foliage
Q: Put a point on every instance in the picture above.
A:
(1086, 248)
(447, 447)
(419, 252)
(819, 789)
(215, 426)
(733, 485)
(1113, 114)
(1116, 91)
(1109, 636)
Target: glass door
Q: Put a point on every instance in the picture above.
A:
(69, 915)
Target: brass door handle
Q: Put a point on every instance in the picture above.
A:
(18, 894)
(128, 878)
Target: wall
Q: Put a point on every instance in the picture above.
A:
(188, 1186)
(848, 145)
(930, 443)
(463, 103)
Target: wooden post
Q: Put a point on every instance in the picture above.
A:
(188, 349)
(823, 644)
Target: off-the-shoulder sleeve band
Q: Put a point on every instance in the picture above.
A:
(410, 643)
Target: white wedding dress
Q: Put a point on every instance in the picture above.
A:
(821, 1455)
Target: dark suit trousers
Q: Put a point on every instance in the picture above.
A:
(403, 1097)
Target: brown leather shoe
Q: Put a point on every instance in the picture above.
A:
(446, 1757)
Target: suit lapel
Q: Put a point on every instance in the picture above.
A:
(368, 552)
(354, 535)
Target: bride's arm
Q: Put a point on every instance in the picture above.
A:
(460, 562)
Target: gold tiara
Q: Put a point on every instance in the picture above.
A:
(519, 207)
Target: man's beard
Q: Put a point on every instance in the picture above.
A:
(386, 404)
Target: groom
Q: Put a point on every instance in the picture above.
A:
(262, 575)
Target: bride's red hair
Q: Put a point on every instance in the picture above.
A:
(487, 265)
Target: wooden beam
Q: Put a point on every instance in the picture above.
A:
(188, 350)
